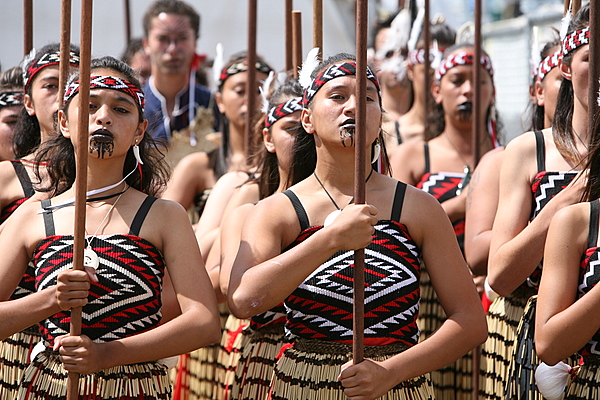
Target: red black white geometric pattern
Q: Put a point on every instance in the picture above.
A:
(126, 300)
(283, 109)
(108, 82)
(548, 64)
(575, 39)
(589, 276)
(546, 185)
(321, 307)
(462, 58)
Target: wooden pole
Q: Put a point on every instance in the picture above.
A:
(296, 41)
(65, 47)
(81, 172)
(594, 70)
(477, 87)
(127, 22)
(288, 35)
(27, 26)
(318, 26)
(358, 322)
(427, 66)
(251, 82)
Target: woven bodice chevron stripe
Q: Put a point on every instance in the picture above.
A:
(321, 307)
(126, 300)
(545, 186)
(589, 276)
(443, 186)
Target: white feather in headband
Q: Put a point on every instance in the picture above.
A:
(308, 66)
(415, 32)
(566, 21)
(264, 91)
(218, 63)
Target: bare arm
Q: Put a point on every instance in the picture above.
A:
(408, 162)
(564, 324)
(263, 277)
(482, 203)
(190, 178)
(517, 246)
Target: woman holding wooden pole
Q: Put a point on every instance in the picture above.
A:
(120, 290)
(314, 276)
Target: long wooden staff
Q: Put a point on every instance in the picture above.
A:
(65, 47)
(251, 83)
(476, 156)
(288, 35)
(81, 170)
(427, 81)
(358, 322)
(27, 26)
(127, 22)
(296, 41)
(594, 70)
(318, 26)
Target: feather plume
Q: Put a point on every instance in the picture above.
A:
(551, 380)
(536, 57)
(566, 21)
(218, 63)
(398, 35)
(415, 32)
(308, 66)
(437, 56)
(466, 33)
(264, 91)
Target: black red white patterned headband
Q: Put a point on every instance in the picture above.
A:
(8, 99)
(283, 109)
(575, 39)
(332, 72)
(417, 56)
(44, 61)
(548, 64)
(462, 58)
(108, 82)
(241, 66)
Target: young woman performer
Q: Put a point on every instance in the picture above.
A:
(537, 180)
(295, 249)
(120, 291)
(442, 167)
(11, 104)
(482, 204)
(35, 125)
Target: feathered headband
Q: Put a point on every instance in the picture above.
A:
(8, 99)
(44, 61)
(241, 66)
(462, 58)
(548, 64)
(575, 39)
(283, 109)
(108, 82)
(332, 72)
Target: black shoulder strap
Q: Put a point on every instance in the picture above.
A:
(427, 162)
(593, 233)
(140, 216)
(397, 129)
(23, 178)
(48, 219)
(299, 208)
(398, 201)
(540, 150)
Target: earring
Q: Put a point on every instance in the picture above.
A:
(136, 153)
(376, 151)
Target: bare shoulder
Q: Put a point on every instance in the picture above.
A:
(194, 160)
(492, 158)
(523, 145)
(25, 226)
(408, 161)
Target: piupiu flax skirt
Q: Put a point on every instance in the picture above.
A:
(195, 376)
(309, 370)
(503, 318)
(46, 379)
(228, 357)
(255, 369)
(14, 358)
(454, 381)
(585, 384)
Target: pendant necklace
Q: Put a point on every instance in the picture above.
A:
(90, 257)
(333, 215)
(467, 170)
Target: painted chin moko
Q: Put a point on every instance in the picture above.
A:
(347, 135)
(102, 145)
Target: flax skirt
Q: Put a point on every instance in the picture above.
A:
(309, 370)
(46, 379)
(503, 318)
(255, 369)
(228, 357)
(14, 358)
(454, 381)
(586, 384)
